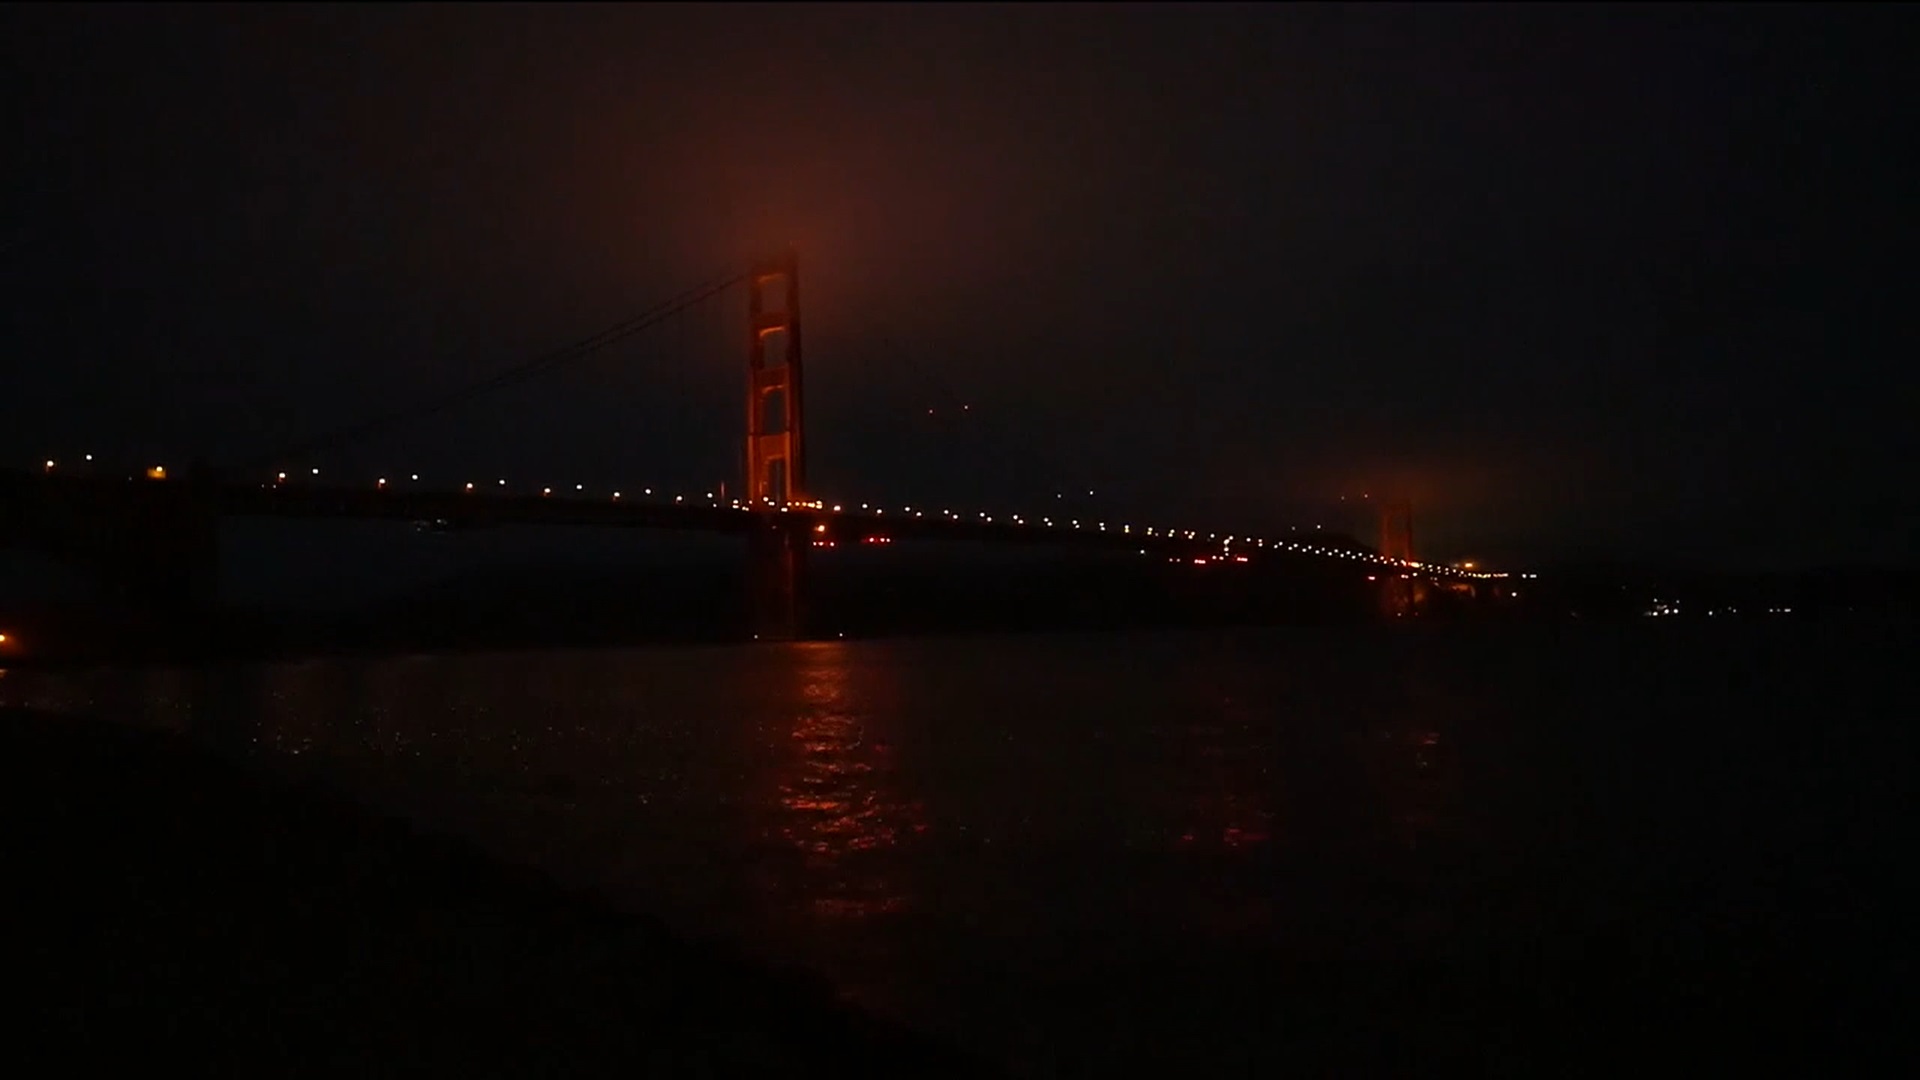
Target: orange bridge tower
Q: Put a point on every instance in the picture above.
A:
(1396, 542)
(776, 449)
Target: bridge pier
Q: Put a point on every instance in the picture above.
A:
(776, 580)
(1400, 594)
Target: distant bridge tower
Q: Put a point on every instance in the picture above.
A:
(1396, 529)
(1400, 596)
(776, 448)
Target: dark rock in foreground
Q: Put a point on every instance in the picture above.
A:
(183, 911)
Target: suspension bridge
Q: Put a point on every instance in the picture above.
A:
(151, 530)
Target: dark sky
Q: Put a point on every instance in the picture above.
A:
(1579, 281)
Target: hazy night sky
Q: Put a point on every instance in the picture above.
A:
(1627, 280)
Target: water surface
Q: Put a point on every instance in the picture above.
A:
(1190, 849)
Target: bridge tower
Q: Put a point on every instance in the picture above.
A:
(1396, 529)
(1396, 542)
(776, 448)
(776, 457)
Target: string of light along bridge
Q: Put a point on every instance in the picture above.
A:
(711, 499)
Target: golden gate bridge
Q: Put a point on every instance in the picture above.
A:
(154, 528)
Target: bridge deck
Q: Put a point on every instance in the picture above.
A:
(828, 527)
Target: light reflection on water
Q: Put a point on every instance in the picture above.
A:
(835, 780)
(1135, 851)
(909, 818)
(836, 774)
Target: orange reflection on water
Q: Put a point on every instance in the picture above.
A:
(837, 804)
